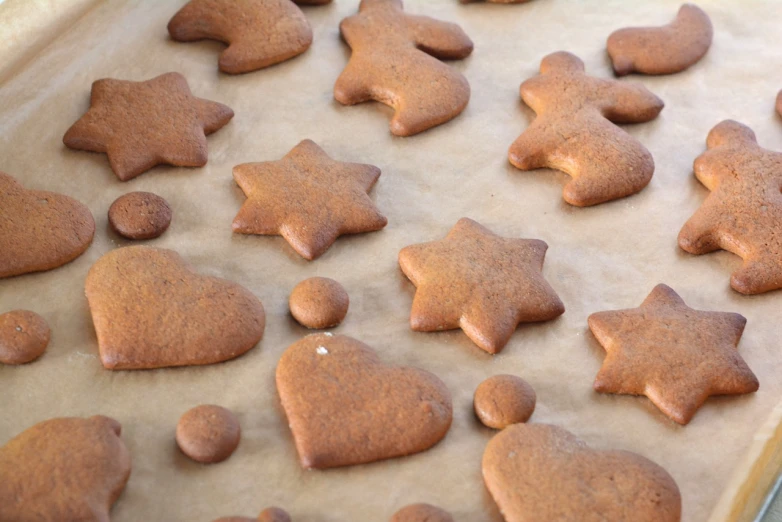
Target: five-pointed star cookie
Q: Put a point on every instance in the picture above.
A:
(259, 33)
(480, 282)
(673, 354)
(143, 124)
(307, 198)
(743, 213)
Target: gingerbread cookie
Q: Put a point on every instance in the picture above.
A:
(573, 131)
(480, 282)
(272, 514)
(143, 124)
(396, 61)
(319, 302)
(541, 472)
(503, 400)
(673, 354)
(496, 1)
(779, 103)
(208, 433)
(140, 215)
(668, 49)
(63, 469)
(151, 310)
(421, 513)
(40, 230)
(307, 198)
(259, 33)
(344, 406)
(24, 336)
(743, 213)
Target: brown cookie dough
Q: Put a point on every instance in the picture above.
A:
(503, 400)
(272, 514)
(151, 310)
(63, 469)
(140, 215)
(143, 124)
(24, 337)
(395, 62)
(421, 513)
(40, 230)
(208, 433)
(344, 406)
(673, 354)
(480, 282)
(743, 212)
(668, 49)
(538, 472)
(573, 131)
(319, 302)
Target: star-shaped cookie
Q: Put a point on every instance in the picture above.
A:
(673, 354)
(143, 124)
(743, 213)
(307, 198)
(480, 282)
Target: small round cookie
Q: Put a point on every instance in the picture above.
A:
(421, 513)
(272, 514)
(24, 336)
(140, 215)
(208, 433)
(503, 400)
(319, 302)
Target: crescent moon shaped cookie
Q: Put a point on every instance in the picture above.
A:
(151, 310)
(396, 61)
(574, 131)
(743, 212)
(539, 472)
(345, 407)
(63, 469)
(40, 230)
(668, 49)
(259, 33)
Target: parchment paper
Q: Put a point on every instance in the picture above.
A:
(605, 257)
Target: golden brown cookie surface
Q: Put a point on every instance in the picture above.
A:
(395, 61)
(421, 513)
(307, 198)
(344, 406)
(208, 433)
(259, 33)
(63, 469)
(24, 336)
(140, 215)
(543, 472)
(143, 124)
(492, 284)
(573, 131)
(40, 230)
(272, 514)
(668, 49)
(743, 212)
(673, 354)
(502, 400)
(151, 310)
(319, 302)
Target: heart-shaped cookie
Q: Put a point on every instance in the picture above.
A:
(345, 406)
(151, 310)
(40, 230)
(538, 472)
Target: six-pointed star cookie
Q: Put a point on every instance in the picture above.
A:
(480, 282)
(674, 355)
(307, 198)
(143, 124)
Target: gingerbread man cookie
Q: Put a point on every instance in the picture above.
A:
(143, 124)
(259, 33)
(480, 282)
(63, 470)
(743, 212)
(396, 61)
(573, 131)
